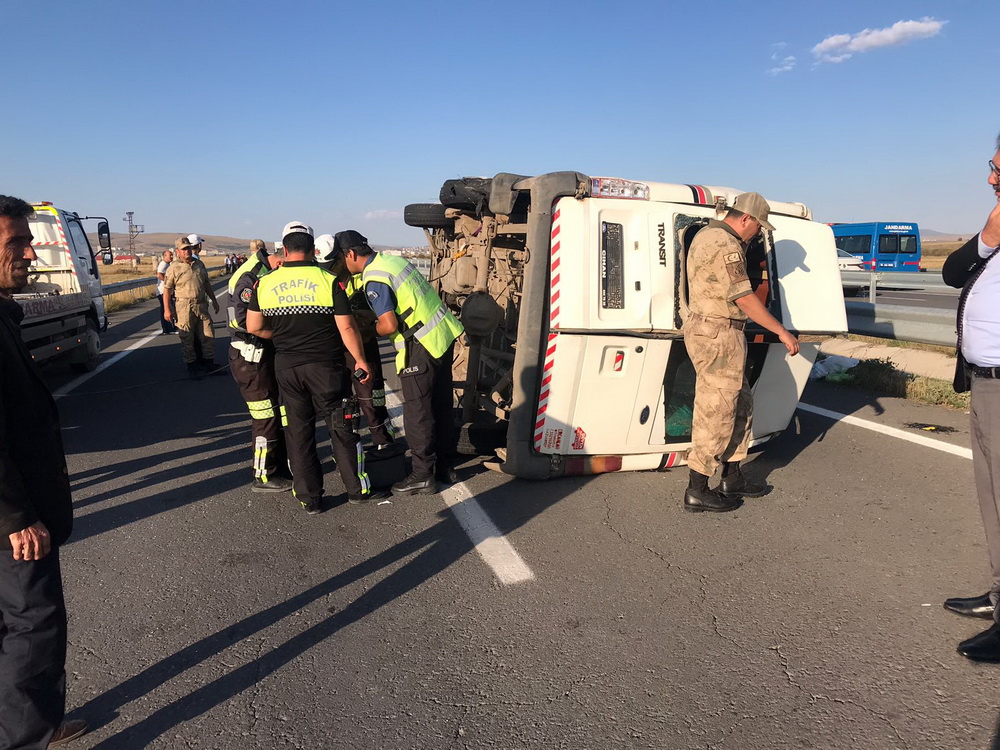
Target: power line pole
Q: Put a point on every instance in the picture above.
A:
(134, 230)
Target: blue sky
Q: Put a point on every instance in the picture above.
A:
(233, 118)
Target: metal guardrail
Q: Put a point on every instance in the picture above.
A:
(126, 286)
(917, 324)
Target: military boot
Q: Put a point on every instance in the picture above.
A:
(699, 497)
(736, 484)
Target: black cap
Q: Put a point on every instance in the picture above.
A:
(348, 240)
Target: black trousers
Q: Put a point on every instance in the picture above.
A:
(371, 395)
(319, 389)
(428, 409)
(259, 388)
(32, 651)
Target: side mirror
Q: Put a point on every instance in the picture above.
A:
(107, 257)
(104, 238)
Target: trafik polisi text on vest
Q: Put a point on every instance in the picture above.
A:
(306, 291)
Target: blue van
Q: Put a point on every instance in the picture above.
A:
(881, 246)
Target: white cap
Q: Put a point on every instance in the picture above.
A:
(326, 249)
(195, 239)
(294, 227)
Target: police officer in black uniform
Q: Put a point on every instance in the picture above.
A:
(305, 312)
(251, 362)
(371, 394)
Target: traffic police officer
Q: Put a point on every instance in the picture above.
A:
(423, 331)
(187, 280)
(720, 300)
(251, 361)
(305, 311)
(370, 394)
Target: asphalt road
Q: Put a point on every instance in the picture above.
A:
(205, 616)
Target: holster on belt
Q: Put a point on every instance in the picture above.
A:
(251, 352)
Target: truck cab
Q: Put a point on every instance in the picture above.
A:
(573, 293)
(63, 301)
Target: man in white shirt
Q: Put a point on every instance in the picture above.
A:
(975, 269)
(166, 326)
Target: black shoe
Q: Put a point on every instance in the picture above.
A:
(67, 732)
(313, 509)
(273, 484)
(367, 498)
(446, 476)
(697, 500)
(194, 372)
(414, 485)
(982, 647)
(973, 606)
(737, 485)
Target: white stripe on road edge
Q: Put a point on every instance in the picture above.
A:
(939, 445)
(492, 546)
(74, 384)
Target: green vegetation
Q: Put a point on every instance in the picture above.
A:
(880, 376)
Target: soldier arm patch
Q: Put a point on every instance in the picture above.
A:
(246, 294)
(736, 267)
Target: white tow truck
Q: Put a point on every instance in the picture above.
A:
(63, 301)
(573, 290)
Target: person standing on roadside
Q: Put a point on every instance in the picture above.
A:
(371, 393)
(304, 310)
(251, 362)
(36, 518)
(974, 269)
(720, 300)
(166, 326)
(423, 330)
(187, 280)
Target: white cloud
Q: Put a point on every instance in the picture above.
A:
(840, 47)
(383, 213)
(784, 65)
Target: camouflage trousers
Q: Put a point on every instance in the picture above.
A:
(723, 406)
(194, 322)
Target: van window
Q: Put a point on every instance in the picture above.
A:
(678, 390)
(888, 244)
(82, 245)
(855, 244)
(907, 243)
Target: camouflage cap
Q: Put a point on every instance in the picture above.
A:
(754, 206)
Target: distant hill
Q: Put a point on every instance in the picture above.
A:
(155, 243)
(929, 235)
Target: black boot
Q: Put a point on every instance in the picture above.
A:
(699, 497)
(735, 483)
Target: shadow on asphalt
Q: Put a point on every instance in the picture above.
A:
(436, 549)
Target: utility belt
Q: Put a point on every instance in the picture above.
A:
(737, 325)
(985, 372)
(252, 353)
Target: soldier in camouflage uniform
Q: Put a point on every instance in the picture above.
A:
(720, 300)
(187, 280)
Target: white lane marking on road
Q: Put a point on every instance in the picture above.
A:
(492, 546)
(74, 384)
(939, 445)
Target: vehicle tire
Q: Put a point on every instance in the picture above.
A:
(429, 215)
(93, 346)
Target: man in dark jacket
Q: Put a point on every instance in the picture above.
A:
(975, 269)
(36, 516)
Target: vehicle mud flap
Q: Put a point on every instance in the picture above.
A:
(470, 193)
